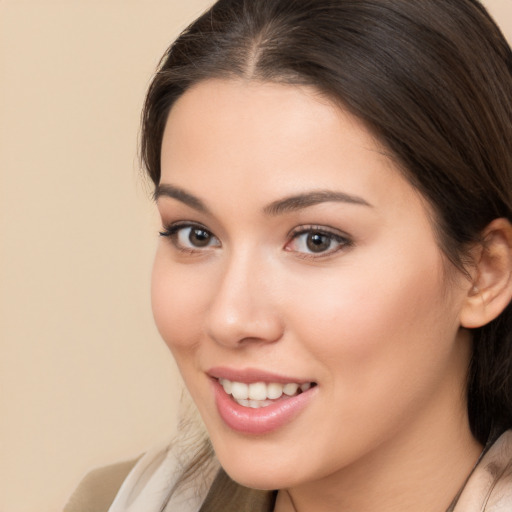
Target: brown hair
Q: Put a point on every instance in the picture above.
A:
(433, 81)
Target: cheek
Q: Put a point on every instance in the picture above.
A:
(176, 302)
(385, 344)
(379, 320)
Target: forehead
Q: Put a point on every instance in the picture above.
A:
(226, 137)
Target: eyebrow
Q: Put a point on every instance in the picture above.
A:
(164, 190)
(300, 201)
(279, 207)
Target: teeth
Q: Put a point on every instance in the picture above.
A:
(260, 394)
(257, 391)
(254, 404)
(240, 390)
(274, 391)
(290, 389)
(227, 385)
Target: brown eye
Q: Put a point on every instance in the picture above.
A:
(318, 242)
(310, 242)
(199, 237)
(190, 237)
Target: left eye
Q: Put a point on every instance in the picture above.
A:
(194, 237)
(317, 242)
(191, 237)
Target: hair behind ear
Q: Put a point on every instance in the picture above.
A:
(488, 312)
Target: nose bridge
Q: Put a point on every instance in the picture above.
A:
(242, 308)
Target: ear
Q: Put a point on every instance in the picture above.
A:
(492, 284)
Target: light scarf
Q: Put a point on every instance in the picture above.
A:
(147, 486)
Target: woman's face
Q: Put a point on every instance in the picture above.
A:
(295, 257)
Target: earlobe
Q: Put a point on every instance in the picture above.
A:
(491, 289)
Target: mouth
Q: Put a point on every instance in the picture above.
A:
(258, 403)
(256, 395)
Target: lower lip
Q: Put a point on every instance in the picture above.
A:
(262, 420)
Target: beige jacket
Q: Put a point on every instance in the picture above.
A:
(98, 489)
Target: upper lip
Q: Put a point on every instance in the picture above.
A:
(250, 375)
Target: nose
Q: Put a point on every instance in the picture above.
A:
(243, 310)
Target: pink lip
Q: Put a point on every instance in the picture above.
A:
(249, 375)
(263, 420)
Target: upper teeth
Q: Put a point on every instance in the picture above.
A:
(261, 390)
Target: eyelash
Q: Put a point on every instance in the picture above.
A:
(343, 240)
(173, 230)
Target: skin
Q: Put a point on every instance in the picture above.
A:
(374, 319)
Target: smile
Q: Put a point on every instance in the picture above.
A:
(258, 403)
(261, 394)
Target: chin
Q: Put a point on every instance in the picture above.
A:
(251, 468)
(262, 480)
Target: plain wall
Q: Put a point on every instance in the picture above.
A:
(84, 377)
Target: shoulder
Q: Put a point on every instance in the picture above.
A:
(489, 487)
(97, 490)
(499, 470)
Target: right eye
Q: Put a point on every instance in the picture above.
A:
(190, 237)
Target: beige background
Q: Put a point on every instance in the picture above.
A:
(84, 378)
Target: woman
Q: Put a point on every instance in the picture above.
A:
(334, 272)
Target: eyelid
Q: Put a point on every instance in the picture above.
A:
(171, 228)
(343, 239)
(171, 231)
